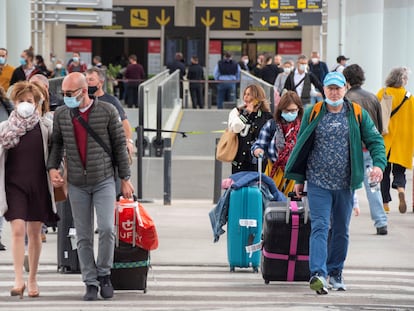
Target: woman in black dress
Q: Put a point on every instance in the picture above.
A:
(26, 195)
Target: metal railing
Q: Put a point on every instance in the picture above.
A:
(147, 100)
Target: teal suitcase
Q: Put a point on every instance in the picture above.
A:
(244, 227)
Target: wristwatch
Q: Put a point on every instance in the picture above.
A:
(126, 178)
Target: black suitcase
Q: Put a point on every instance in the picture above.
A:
(130, 265)
(285, 251)
(68, 261)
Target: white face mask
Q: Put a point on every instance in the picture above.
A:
(59, 66)
(25, 109)
(245, 61)
(303, 67)
(287, 69)
(314, 60)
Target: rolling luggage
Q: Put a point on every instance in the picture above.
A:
(68, 261)
(130, 265)
(286, 231)
(244, 226)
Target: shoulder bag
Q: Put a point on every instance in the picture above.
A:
(95, 136)
(386, 109)
(227, 146)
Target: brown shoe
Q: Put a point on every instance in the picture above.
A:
(403, 205)
(386, 208)
(43, 237)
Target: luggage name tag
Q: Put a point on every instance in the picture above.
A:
(254, 248)
(248, 223)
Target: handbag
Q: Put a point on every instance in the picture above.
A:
(227, 146)
(386, 109)
(128, 213)
(61, 193)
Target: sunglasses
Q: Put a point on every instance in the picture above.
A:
(69, 93)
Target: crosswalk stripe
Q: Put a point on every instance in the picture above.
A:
(201, 287)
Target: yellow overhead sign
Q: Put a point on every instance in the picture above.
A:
(163, 20)
(139, 18)
(231, 19)
(207, 21)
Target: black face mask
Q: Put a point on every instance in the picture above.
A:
(92, 89)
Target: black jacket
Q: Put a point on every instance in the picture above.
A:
(19, 75)
(269, 73)
(195, 72)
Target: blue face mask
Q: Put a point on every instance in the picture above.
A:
(289, 116)
(72, 102)
(2, 60)
(22, 61)
(334, 104)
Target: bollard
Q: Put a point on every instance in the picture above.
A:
(217, 176)
(167, 171)
(140, 151)
(186, 98)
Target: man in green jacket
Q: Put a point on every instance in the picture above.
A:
(328, 155)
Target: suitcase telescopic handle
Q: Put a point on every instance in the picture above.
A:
(259, 168)
(292, 196)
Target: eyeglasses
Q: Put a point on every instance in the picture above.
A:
(69, 93)
(290, 110)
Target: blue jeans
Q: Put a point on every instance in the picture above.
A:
(225, 92)
(329, 209)
(83, 200)
(374, 198)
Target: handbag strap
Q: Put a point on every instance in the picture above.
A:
(94, 135)
(406, 96)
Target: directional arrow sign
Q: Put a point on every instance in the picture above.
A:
(260, 5)
(163, 20)
(207, 21)
(285, 19)
(263, 4)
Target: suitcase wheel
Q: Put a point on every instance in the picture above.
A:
(267, 282)
(255, 269)
(231, 269)
(145, 290)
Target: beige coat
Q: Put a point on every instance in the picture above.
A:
(46, 129)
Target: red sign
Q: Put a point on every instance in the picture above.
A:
(79, 45)
(154, 46)
(215, 47)
(289, 47)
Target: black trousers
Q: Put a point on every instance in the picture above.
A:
(399, 180)
(196, 93)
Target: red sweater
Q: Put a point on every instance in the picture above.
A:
(81, 135)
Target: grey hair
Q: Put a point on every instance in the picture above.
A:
(99, 72)
(398, 77)
(301, 57)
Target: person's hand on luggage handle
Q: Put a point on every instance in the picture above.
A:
(299, 190)
(127, 189)
(258, 153)
(55, 177)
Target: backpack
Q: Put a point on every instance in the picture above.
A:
(317, 107)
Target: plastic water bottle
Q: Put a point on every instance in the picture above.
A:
(373, 184)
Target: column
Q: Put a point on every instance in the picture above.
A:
(18, 29)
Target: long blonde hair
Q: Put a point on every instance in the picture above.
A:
(258, 93)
